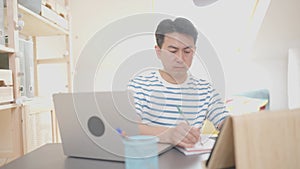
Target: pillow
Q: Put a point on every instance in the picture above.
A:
(258, 94)
(242, 104)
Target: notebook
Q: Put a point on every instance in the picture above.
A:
(88, 122)
(205, 145)
(199, 148)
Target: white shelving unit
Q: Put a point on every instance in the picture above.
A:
(17, 115)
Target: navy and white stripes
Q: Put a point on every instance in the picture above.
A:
(156, 101)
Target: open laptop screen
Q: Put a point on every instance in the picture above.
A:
(88, 123)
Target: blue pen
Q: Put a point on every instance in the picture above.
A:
(122, 133)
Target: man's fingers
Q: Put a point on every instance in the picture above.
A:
(185, 145)
(185, 137)
(191, 133)
(191, 138)
(195, 132)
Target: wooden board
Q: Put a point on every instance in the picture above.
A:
(268, 140)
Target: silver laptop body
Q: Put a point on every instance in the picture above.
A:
(88, 122)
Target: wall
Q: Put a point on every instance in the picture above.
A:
(90, 16)
(279, 31)
(86, 22)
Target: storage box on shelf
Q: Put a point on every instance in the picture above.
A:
(54, 17)
(34, 6)
(6, 86)
(56, 5)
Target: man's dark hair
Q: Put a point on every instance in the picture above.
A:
(179, 25)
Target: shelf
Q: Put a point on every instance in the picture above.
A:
(36, 25)
(8, 106)
(4, 49)
(52, 60)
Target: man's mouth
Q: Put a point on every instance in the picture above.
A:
(179, 67)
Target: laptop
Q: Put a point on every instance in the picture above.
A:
(88, 123)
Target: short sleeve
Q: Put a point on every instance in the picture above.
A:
(138, 95)
(216, 108)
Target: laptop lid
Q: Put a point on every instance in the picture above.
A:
(88, 122)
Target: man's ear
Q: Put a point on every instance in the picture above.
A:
(158, 51)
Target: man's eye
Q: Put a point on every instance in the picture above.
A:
(174, 51)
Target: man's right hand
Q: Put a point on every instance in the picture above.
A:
(184, 135)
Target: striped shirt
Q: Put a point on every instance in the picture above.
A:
(156, 101)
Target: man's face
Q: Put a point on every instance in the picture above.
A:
(176, 53)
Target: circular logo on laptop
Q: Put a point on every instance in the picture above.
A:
(96, 126)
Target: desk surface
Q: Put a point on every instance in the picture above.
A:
(51, 156)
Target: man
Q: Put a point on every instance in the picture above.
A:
(171, 102)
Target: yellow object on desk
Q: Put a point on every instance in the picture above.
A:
(209, 128)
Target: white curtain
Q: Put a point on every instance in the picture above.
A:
(294, 78)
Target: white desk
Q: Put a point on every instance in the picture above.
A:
(51, 156)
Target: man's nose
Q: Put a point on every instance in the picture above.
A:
(179, 56)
